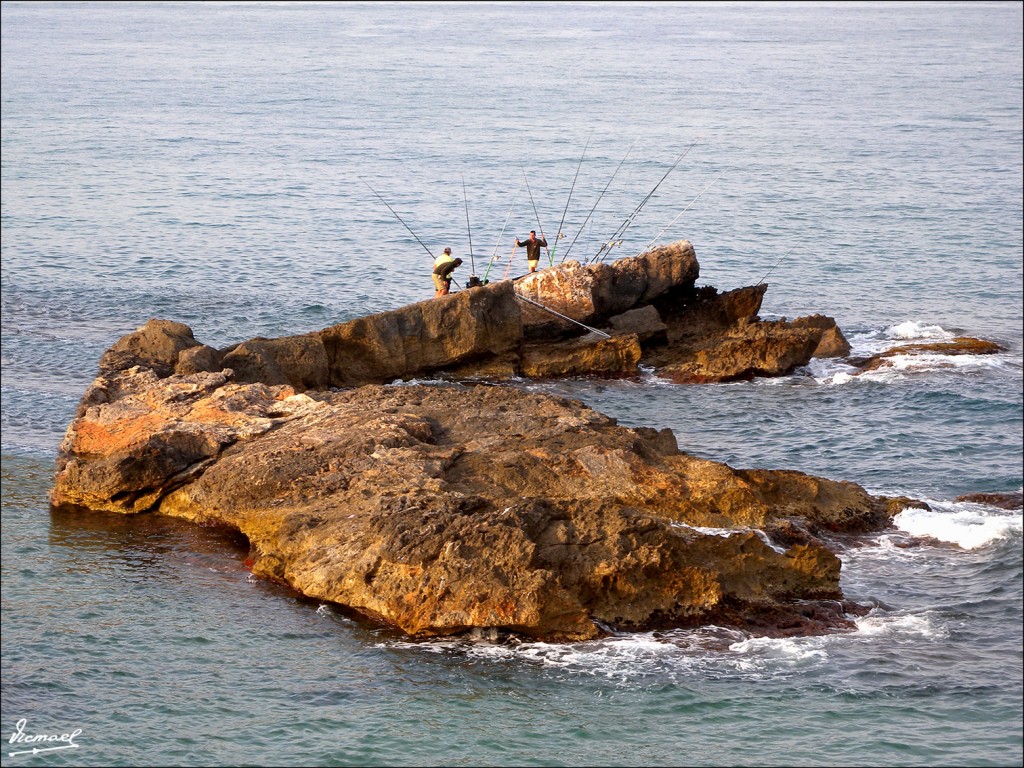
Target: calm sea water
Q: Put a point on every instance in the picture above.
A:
(219, 164)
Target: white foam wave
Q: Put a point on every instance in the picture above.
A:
(632, 657)
(894, 625)
(611, 657)
(914, 330)
(933, 361)
(650, 377)
(434, 382)
(326, 611)
(829, 371)
(834, 372)
(621, 657)
(968, 525)
(839, 378)
(878, 340)
(886, 547)
(789, 651)
(899, 367)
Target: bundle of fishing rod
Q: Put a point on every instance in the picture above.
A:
(617, 238)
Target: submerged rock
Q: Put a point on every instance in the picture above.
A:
(1011, 500)
(962, 345)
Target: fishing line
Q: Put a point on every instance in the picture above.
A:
(559, 235)
(775, 265)
(396, 215)
(617, 236)
(494, 256)
(559, 314)
(680, 214)
(536, 215)
(566, 254)
(472, 261)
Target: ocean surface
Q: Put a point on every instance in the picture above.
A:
(231, 166)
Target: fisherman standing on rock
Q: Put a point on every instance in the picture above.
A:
(444, 265)
(533, 246)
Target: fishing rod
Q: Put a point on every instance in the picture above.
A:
(537, 215)
(566, 254)
(680, 214)
(396, 215)
(509, 265)
(606, 247)
(494, 256)
(472, 261)
(559, 314)
(775, 265)
(629, 219)
(559, 236)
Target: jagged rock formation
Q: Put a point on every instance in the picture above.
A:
(448, 507)
(593, 293)
(442, 508)
(542, 325)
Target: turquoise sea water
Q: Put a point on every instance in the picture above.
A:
(216, 164)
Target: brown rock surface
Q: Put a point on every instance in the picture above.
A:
(645, 322)
(136, 436)
(540, 326)
(155, 345)
(593, 293)
(715, 337)
(587, 356)
(442, 508)
(832, 342)
(761, 349)
(1013, 500)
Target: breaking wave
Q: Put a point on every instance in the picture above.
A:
(898, 367)
(966, 524)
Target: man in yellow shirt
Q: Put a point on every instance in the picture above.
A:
(444, 265)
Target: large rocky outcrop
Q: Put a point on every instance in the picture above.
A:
(443, 508)
(715, 337)
(572, 320)
(410, 341)
(448, 507)
(158, 345)
(593, 293)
